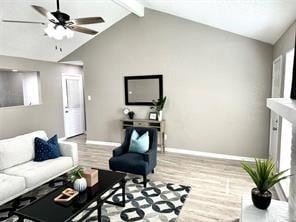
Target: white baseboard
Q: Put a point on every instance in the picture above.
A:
(102, 143)
(210, 155)
(62, 138)
(182, 151)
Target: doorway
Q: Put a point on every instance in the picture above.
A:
(73, 105)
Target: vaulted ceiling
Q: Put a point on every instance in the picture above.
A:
(264, 20)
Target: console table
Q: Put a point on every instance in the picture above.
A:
(276, 212)
(159, 125)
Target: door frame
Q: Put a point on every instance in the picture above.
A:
(278, 187)
(278, 124)
(64, 76)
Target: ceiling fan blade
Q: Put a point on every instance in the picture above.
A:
(27, 22)
(87, 20)
(82, 29)
(45, 13)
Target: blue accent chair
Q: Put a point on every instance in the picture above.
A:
(136, 163)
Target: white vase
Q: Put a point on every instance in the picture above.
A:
(160, 115)
(80, 185)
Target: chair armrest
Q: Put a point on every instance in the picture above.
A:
(121, 149)
(69, 149)
(150, 155)
(118, 151)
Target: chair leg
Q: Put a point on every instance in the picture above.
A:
(145, 181)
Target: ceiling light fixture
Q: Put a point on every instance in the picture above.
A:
(14, 70)
(60, 25)
(58, 32)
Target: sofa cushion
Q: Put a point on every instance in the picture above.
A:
(45, 150)
(129, 162)
(19, 149)
(10, 186)
(36, 173)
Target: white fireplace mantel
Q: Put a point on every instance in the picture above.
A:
(286, 108)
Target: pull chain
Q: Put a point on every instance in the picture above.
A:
(58, 47)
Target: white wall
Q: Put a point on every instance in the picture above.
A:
(286, 42)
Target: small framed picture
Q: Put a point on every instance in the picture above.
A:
(153, 115)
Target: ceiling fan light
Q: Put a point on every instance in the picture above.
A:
(59, 32)
(49, 30)
(69, 33)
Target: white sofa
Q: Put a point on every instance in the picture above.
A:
(20, 174)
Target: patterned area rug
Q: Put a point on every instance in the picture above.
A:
(158, 202)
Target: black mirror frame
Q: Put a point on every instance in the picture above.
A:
(126, 78)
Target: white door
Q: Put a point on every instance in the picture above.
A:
(73, 105)
(274, 118)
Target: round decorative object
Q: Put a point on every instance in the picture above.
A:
(261, 200)
(125, 111)
(80, 184)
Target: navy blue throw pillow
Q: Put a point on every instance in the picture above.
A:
(45, 150)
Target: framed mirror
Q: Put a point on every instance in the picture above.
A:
(141, 90)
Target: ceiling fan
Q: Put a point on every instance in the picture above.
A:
(60, 25)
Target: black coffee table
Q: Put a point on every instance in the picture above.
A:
(46, 210)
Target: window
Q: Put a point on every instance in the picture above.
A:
(286, 131)
(19, 88)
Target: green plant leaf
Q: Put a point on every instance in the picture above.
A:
(264, 174)
(76, 173)
(158, 104)
(251, 172)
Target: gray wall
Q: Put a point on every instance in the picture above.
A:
(47, 116)
(11, 89)
(216, 82)
(285, 43)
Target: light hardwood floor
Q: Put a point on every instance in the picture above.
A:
(217, 185)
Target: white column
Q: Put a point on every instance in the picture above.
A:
(292, 195)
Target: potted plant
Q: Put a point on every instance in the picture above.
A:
(264, 176)
(158, 106)
(131, 114)
(76, 177)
